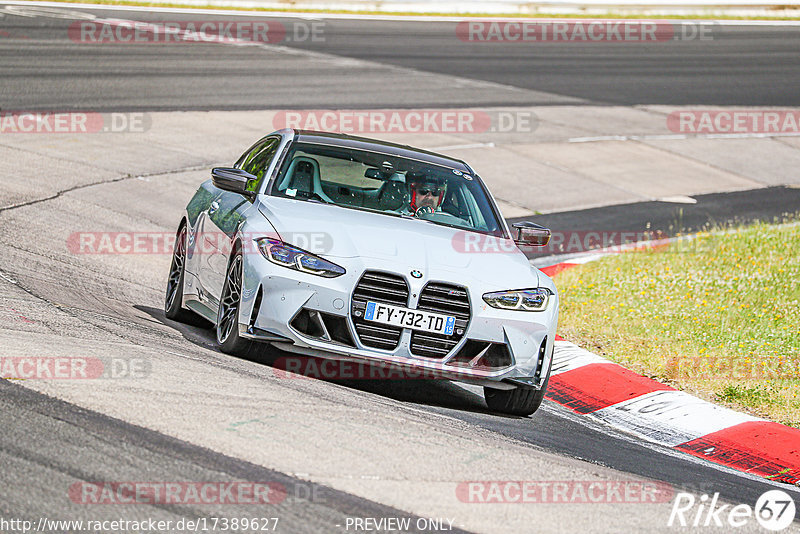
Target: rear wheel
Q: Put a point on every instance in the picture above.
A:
(227, 329)
(173, 301)
(517, 401)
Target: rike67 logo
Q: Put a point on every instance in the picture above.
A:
(774, 510)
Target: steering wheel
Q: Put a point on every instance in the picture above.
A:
(423, 211)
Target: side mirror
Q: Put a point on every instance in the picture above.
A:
(531, 234)
(233, 180)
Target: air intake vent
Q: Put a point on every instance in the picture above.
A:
(482, 356)
(378, 287)
(324, 326)
(540, 360)
(446, 299)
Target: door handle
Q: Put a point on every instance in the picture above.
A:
(214, 207)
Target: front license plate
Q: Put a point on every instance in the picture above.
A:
(416, 319)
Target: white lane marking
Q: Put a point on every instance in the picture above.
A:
(670, 417)
(669, 137)
(678, 199)
(460, 147)
(568, 356)
(586, 259)
(594, 139)
(34, 11)
(385, 17)
(7, 278)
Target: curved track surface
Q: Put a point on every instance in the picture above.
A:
(410, 63)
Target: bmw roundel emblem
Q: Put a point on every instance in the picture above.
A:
(416, 274)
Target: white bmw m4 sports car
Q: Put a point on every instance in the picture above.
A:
(342, 247)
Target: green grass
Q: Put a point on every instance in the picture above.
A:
(718, 315)
(610, 15)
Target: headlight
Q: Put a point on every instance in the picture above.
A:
(519, 299)
(286, 255)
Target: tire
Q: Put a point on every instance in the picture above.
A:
(517, 401)
(227, 327)
(173, 305)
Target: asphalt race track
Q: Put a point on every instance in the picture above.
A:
(341, 449)
(738, 66)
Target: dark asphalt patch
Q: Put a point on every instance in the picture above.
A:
(57, 445)
(664, 219)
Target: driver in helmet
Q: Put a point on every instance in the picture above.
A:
(426, 193)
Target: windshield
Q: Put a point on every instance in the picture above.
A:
(387, 184)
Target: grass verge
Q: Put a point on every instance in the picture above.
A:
(718, 315)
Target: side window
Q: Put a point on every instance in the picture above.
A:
(257, 161)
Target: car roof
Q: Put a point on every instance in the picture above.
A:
(376, 145)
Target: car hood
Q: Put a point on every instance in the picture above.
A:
(336, 232)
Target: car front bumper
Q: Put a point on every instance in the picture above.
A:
(273, 296)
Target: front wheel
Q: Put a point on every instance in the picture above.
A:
(227, 329)
(517, 401)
